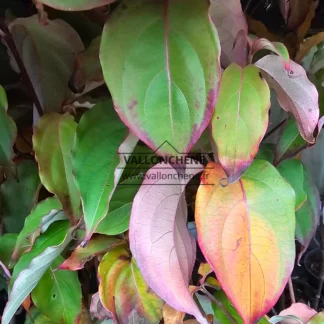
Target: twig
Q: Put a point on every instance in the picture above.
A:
(218, 303)
(274, 129)
(291, 291)
(247, 6)
(7, 37)
(321, 276)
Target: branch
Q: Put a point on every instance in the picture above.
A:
(7, 37)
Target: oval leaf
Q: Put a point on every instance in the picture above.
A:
(317, 319)
(237, 136)
(8, 131)
(53, 139)
(246, 232)
(79, 5)
(99, 137)
(300, 310)
(159, 240)
(160, 62)
(296, 94)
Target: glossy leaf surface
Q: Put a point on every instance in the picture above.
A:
(52, 141)
(246, 232)
(178, 50)
(240, 119)
(159, 240)
(296, 94)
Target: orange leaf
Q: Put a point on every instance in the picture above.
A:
(307, 45)
(246, 232)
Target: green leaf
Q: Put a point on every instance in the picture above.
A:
(32, 265)
(35, 317)
(308, 216)
(240, 119)
(317, 319)
(53, 139)
(96, 161)
(124, 292)
(99, 244)
(293, 171)
(266, 152)
(76, 5)
(290, 142)
(7, 243)
(48, 54)
(41, 214)
(221, 317)
(22, 188)
(8, 131)
(58, 294)
(161, 64)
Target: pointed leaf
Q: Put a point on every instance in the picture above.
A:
(35, 220)
(293, 171)
(124, 292)
(290, 142)
(8, 131)
(228, 17)
(75, 5)
(53, 139)
(237, 136)
(23, 187)
(296, 94)
(58, 294)
(32, 271)
(173, 100)
(159, 240)
(247, 233)
(48, 54)
(99, 244)
(300, 310)
(99, 136)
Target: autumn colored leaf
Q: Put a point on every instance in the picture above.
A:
(266, 46)
(204, 270)
(69, 5)
(240, 119)
(53, 139)
(43, 213)
(259, 29)
(8, 131)
(97, 165)
(97, 309)
(159, 240)
(296, 94)
(317, 319)
(123, 290)
(23, 187)
(172, 316)
(307, 45)
(246, 232)
(55, 46)
(293, 171)
(99, 244)
(179, 51)
(300, 310)
(228, 17)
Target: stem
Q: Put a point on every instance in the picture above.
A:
(218, 303)
(321, 277)
(274, 129)
(7, 37)
(291, 291)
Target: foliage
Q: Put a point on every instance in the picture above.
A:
(112, 143)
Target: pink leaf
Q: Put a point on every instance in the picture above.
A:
(229, 19)
(284, 8)
(300, 310)
(296, 94)
(97, 309)
(159, 240)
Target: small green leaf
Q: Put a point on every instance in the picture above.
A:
(99, 244)
(53, 139)
(7, 243)
(290, 142)
(8, 131)
(124, 292)
(178, 50)
(240, 119)
(19, 195)
(58, 294)
(32, 265)
(266, 152)
(293, 171)
(96, 161)
(34, 222)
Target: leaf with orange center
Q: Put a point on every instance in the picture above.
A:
(246, 232)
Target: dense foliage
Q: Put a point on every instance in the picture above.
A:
(160, 162)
